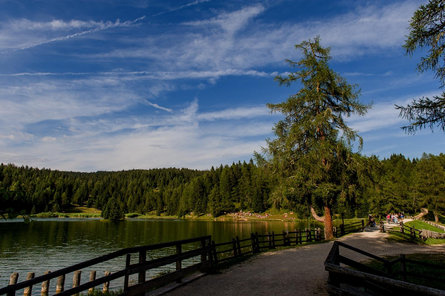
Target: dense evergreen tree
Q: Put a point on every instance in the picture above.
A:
(113, 210)
(430, 184)
(307, 147)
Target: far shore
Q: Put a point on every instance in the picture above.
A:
(271, 215)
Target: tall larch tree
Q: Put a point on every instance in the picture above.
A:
(313, 143)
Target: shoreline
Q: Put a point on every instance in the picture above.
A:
(231, 217)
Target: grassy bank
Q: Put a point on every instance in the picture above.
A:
(398, 236)
(270, 215)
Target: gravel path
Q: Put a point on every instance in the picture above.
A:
(296, 271)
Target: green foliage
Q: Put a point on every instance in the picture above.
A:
(25, 190)
(427, 30)
(308, 153)
(113, 210)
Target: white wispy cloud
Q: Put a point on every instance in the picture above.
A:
(150, 75)
(231, 40)
(190, 4)
(25, 34)
(159, 107)
(234, 113)
(231, 22)
(384, 115)
(173, 139)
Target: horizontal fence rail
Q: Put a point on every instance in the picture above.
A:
(182, 258)
(200, 250)
(360, 279)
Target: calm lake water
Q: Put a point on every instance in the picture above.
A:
(51, 244)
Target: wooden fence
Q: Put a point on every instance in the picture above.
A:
(209, 255)
(236, 248)
(365, 280)
(202, 251)
(350, 228)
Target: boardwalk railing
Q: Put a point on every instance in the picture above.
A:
(202, 250)
(364, 280)
(407, 231)
(180, 258)
(236, 248)
(350, 228)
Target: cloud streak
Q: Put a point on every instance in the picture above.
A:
(236, 40)
(25, 34)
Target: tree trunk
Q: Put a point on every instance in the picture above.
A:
(316, 217)
(436, 217)
(328, 229)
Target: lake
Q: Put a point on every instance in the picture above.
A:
(51, 244)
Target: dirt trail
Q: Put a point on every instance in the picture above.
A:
(296, 271)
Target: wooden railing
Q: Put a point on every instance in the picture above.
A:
(364, 280)
(140, 268)
(236, 248)
(407, 231)
(350, 228)
(210, 254)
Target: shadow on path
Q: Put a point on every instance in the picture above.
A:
(297, 271)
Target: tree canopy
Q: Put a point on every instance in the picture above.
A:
(427, 30)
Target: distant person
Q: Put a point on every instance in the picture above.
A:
(388, 218)
(371, 221)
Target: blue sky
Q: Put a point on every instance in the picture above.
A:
(111, 85)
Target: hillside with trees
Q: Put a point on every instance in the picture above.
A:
(376, 186)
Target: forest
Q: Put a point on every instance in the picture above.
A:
(375, 186)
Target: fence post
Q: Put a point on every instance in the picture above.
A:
(284, 238)
(178, 261)
(28, 290)
(106, 284)
(92, 278)
(333, 278)
(342, 229)
(257, 242)
(142, 259)
(238, 246)
(403, 263)
(76, 280)
(402, 228)
(215, 255)
(60, 286)
(203, 253)
(45, 286)
(273, 240)
(363, 225)
(12, 281)
(235, 250)
(127, 264)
